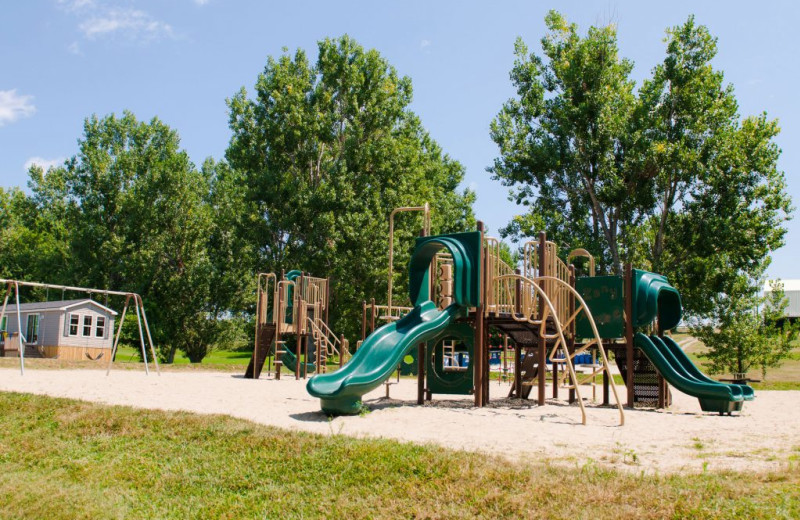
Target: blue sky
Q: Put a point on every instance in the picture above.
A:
(61, 61)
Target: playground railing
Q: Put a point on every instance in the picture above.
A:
(500, 296)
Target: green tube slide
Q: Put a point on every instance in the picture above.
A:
(379, 355)
(713, 397)
(746, 391)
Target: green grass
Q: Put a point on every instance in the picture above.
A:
(216, 357)
(64, 459)
(784, 377)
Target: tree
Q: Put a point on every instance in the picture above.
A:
(134, 209)
(740, 338)
(564, 142)
(322, 154)
(648, 176)
(31, 243)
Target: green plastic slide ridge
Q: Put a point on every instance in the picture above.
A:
(714, 397)
(340, 392)
(679, 367)
(747, 391)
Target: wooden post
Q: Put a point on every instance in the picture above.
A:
(486, 372)
(517, 347)
(572, 329)
(518, 371)
(279, 322)
(421, 373)
(363, 320)
(505, 357)
(327, 298)
(542, 342)
(341, 350)
(484, 296)
(629, 332)
(479, 333)
(663, 386)
(605, 386)
(372, 317)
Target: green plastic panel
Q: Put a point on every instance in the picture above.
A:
(654, 297)
(605, 297)
(466, 251)
(450, 382)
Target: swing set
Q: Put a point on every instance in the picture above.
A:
(130, 297)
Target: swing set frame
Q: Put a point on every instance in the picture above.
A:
(141, 318)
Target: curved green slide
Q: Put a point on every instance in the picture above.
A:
(747, 391)
(376, 359)
(379, 355)
(713, 396)
(290, 362)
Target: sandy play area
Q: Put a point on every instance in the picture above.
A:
(763, 436)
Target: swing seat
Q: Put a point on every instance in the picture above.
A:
(98, 356)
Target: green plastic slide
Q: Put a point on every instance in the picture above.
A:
(713, 397)
(379, 355)
(747, 392)
(290, 363)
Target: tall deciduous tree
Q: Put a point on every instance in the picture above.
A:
(134, 208)
(322, 153)
(668, 177)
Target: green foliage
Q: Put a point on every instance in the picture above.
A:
(30, 241)
(133, 214)
(646, 177)
(318, 159)
(740, 338)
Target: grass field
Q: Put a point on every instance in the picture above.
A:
(64, 459)
(784, 377)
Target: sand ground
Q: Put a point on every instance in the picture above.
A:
(764, 436)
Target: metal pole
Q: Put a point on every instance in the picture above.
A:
(5, 302)
(22, 339)
(64, 287)
(258, 327)
(426, 227)
(149, 338)
(119, 333)
(141, 337)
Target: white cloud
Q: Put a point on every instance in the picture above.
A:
(74, 48)
(45, 164)
(201, 2)
(424, 43)
(14, 106)
(134, 24)
(75, 5)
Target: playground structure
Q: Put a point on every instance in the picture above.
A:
(294, 310)
(138, 305)
(460, 289)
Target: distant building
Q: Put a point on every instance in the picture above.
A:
(66, 329)
(792, 290)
